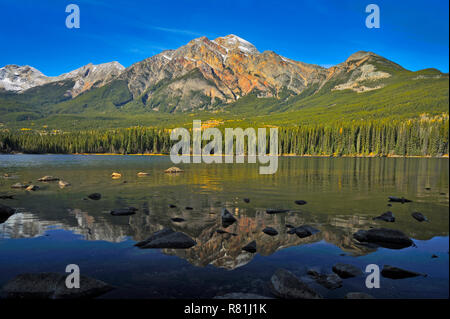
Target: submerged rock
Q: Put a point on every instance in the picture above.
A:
(277, 211)
(303, 231)
(241, 295)
(284, 284)
(167, 238)
(32, 188)
(142, 174)
(6, 196)
(419, 217)
(251, 247)
(188, 208)
(358, 295)
(48, 179)
(177, 220)
(124, 211)
(53, 286)
(247, 200)
(19, 185)
(95, 196)
(399, 200)
(387, 217)
(270, 231)
(346, 270)
(289, 226)
(300, 202)
(172, 206)
(329, 281)
(388, 238)
(173, 169)
(398, 273)
(6, 212)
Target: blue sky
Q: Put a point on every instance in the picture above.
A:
(413, 33)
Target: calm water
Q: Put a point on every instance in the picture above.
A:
(56, 227)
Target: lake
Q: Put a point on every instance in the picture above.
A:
(55, 227)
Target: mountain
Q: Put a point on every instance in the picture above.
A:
(228, 75)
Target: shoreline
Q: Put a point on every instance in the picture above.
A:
(445, 156)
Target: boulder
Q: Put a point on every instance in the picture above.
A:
(346, 270)
(63, 184)
(227, 218)
(247, 200)
(173, 170)
(95, 196)
(398, 273)
(358, 295)
(251, 247)
(284, 284)
(32, 188)
(300, 202)
(48, 179)
(399, 200)
(124, 211)
(167, 238)
(142, 174)
(303, 231)
(419, 217)
(387, 217)
(172, 206)
(53, 286)
(276, 211)
(177, 220)
(270, 231)
(329, 281)
(116, 175)
(19, 185)
(188, 208)
(388, 238)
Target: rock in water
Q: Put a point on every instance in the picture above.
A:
(284, 284)
(19, 185)
(303, 231)
(387, 217)
(346, 270)
(399, 200)
(116, 175)
(398, 273)
(251, 247)
(53, 286)
(358, 295)
(6, 212)
(247, 200)
(300, 202)
(227, 218)
(48, 179)
(188, 208)
(167, 238)
(177, 220)
(142, 174)
(329, 281)
(419, 216)
(32, 188)
(95, 196)
(124, 211)
(63, 184)
(6, 196)
(173, 170)
(270, 231)
(388, 238)
(276, 211)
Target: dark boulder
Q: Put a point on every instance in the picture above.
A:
(303, 231)
(177, 220)
(419, 217)
(188, 208)
(247, 200)
(300, 202)
(172, 206)
(387, 238)
(53, 286)
(399, 200)
(6, 212)
(329, 281)
(284, 284)
(167, 238)
(95, 196)
(227, 218)
(398, 273)
(387, 217)
(276, 211)
(346, 270)
(124, 211)
(251, 247)
(270, 231)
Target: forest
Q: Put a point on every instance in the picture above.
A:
(423, 136)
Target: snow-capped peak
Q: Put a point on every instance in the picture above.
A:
(232, 41)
